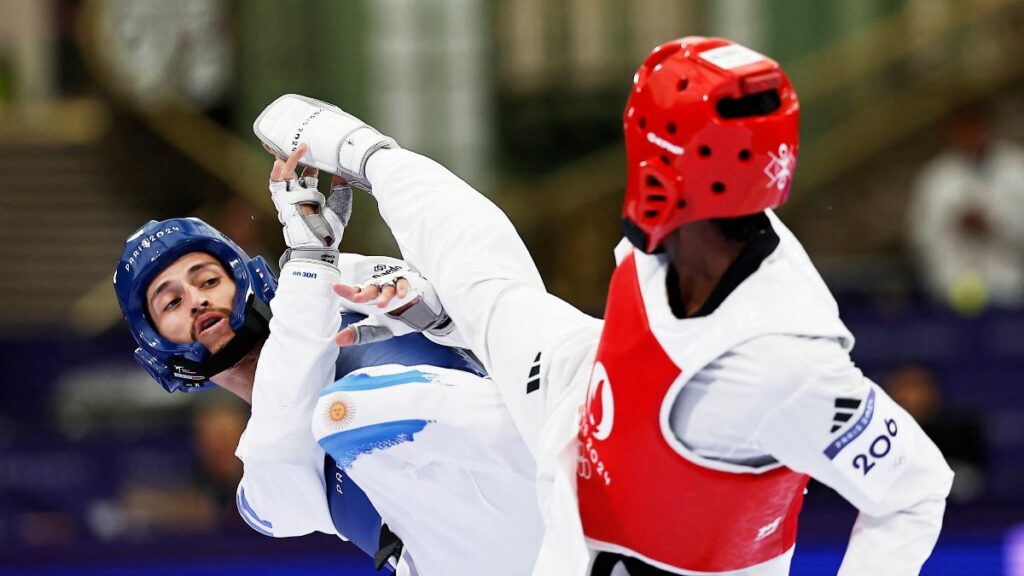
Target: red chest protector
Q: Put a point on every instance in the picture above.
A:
(637, 495)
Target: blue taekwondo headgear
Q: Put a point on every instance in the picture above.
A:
(188, 366)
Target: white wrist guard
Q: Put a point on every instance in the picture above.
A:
(324, 256)
(324, 227)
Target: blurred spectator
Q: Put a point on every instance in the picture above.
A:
(216, 430)
(960, 436)
(966, 217)
(202, 502)
(241, 221)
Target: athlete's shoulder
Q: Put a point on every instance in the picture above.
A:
(785, 363)
(806, 384)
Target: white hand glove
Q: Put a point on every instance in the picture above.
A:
(313, 226)
(337, 142)
(419, 309)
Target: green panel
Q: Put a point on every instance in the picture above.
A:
(314, 47)
(800, 27)
(340, 40)
(797, 28)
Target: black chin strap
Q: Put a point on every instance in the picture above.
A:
(254, 330)
(637, 237)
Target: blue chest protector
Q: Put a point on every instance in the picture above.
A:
(351, 511)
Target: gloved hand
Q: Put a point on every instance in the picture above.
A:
(313, 225)
(396, 299)
(337, 142)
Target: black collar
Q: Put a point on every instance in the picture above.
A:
(748, 261)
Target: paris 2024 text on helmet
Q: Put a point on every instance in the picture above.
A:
(711, 132)
(150, 249)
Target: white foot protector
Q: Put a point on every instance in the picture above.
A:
(337, 142)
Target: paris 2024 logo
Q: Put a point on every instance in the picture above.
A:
(596, 424)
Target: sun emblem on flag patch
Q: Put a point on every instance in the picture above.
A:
(338, 412)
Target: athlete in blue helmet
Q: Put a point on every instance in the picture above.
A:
(399, 445)
(184, 254)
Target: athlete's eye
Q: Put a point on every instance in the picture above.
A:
(211, 282)
(172, 304)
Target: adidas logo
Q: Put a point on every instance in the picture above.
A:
(534, 382)
(845, 409)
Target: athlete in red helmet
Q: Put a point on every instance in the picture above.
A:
(711, 132)
(677, 436)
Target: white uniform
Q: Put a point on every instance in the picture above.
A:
(457, 512)
(768, 399)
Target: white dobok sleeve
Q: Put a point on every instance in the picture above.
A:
(282, 492)
(878, 458)
(486, 280)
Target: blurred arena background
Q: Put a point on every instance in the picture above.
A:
(114, 112)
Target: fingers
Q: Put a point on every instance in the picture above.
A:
(387, 293)
(346, 337)
(288, 169)
(362, 333)
(277, 170)
(382, 294)
(367, 333)
(357, 294)
(345, 291)
(366, 294)
(285, 169)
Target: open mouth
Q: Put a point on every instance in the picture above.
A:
(208, 322)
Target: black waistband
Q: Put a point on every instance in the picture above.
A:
(605, 564)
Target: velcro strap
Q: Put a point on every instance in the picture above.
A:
(328, 256)
(300, 195)
(419, 316)
(320, 228)
(370, 333)
(444, 325)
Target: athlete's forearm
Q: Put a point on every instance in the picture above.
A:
(469, 250)
(296, 362)
(895, 535)
(283, 499)
(282, 491)
(453, 234)
(880, 461)
(896, 544)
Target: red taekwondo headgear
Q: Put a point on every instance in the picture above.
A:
(711, 132)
